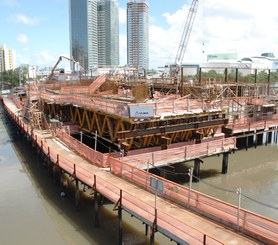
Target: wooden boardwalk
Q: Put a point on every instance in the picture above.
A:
(174, 220)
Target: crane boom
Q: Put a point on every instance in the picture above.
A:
(186, 32)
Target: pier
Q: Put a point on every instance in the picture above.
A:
(163, 206)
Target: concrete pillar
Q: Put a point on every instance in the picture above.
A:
(120, 219)
(153, 228)
(247, 143)
(77, 194)
(96, 214)
(225, 162)
(196, 170)
(146, 229)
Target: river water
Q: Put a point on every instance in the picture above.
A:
(33, 212)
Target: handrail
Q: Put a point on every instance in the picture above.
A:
(247, 221)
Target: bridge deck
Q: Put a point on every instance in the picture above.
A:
(173, 220)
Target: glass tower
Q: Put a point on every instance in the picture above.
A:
(108, 33)
(83, 32)
(138, 34)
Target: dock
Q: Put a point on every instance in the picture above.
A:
(182, 214)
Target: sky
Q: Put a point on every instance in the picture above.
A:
(39, 30)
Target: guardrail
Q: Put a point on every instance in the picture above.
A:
(143, 210)
(244, 220)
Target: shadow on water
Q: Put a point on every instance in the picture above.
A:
(179, 173)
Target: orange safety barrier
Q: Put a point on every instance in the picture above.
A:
(245, 220)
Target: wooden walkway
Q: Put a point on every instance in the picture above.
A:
(175, 221)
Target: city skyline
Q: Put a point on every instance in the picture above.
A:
(39, 32)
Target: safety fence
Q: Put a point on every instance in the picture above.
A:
(244, 220)
(226, 213)
(176, 228)
(183, 153)
(161, 109)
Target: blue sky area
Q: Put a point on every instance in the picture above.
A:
(39, 30)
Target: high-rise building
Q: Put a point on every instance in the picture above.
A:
(108, 33)
(94, 32)
(138, 34)
(83, 32)
(7, 58)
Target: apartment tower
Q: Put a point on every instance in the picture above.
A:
(94, 33)
(108, 33)
(7, 58)
(138, 34)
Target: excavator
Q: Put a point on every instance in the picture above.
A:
(76, 65)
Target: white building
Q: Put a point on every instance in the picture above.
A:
(246, 65)
(7, 58)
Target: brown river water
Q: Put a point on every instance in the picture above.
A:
(33, 212)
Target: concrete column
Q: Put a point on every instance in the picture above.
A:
(225, 162)
(196, 170)
(120, 219)
(146, 229)
(247, 143)
(96, 214)
(77, 194)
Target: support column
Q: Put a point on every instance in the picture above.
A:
(146, 229)
(96, 214)
(120, 219)
(247, 143)
(196, 170)
(95, 203)
(77, 194)
(225, 162)
(153, 228)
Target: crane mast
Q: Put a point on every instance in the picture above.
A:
(186, 32)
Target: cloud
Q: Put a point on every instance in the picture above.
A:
(22, 38)
(12, 3)
(247, 27)
(44, 57)
(23, 19)
(123, 49)
(122, 15)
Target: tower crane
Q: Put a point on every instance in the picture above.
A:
(185, 36)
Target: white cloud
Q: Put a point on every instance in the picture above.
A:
(22, 38)
(12, 3)
(247, 27)
(23, 19)
(123, 49)
(45, 58)
(122, 15)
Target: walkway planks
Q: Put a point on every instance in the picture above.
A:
(173, 220)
